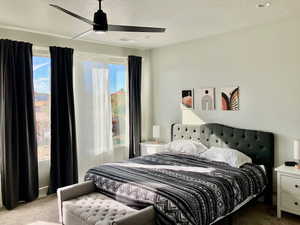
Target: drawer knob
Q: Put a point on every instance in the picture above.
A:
(296, 203)
(296, 186)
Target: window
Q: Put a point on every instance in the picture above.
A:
(117, 85)
(41, 79)
(101, 110)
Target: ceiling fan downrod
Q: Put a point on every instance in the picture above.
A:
(100, 20)
(100, 4)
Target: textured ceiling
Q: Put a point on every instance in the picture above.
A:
(184, 20)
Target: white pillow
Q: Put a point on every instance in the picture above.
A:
(186, 146)
(231, 156)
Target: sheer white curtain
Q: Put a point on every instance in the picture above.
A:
(102, 116)
(93, 114)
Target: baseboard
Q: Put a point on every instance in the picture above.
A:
(42, 194)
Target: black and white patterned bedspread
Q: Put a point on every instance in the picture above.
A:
(184, 189)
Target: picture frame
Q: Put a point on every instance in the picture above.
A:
(187, 98)
(207, 99)
(230, 98)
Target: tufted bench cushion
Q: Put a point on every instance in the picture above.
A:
(95, 209)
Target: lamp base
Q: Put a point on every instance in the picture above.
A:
(156, 140)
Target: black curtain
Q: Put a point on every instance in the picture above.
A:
(18, 154)
(135, 79)
(63, 170)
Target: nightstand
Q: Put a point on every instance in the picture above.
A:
(149, 148)
(288, 190)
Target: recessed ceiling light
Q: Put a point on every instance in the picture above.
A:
(127, 40)
(263, 5)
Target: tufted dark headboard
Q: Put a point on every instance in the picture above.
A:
(258, 145)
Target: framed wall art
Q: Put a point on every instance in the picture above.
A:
(187, 98)
(207, 99)
(230, 98)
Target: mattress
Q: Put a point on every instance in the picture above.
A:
(184, 189)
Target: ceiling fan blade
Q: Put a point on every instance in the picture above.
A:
(82, 34)
(135, 29)
(73, 14)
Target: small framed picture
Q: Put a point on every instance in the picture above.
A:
(207, 99)
(187, 98)
(230, 98)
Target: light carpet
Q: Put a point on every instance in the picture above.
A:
(40, 212)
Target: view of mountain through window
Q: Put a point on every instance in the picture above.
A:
(41, 79)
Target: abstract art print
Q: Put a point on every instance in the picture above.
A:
(230, 98)
(207, 99)
(187, 98)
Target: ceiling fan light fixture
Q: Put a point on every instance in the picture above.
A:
(100, 32)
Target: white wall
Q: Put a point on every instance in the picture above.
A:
(45, 41)
(264, 61)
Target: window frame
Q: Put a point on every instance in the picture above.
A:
(116, 60)
(105, 59)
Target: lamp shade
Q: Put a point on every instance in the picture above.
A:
(156, 131)
(297, 149)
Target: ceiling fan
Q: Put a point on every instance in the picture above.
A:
(100, 23)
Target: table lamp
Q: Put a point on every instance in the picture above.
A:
(297, 152)
(156, 133)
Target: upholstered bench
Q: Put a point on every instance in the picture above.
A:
(80, 204)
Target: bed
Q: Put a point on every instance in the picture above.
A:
(201, 192)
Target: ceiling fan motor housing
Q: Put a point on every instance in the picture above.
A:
(100, 20)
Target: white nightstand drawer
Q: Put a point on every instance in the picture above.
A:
(290, 184)
(152, 150)
(290, 202)
(149, 148)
